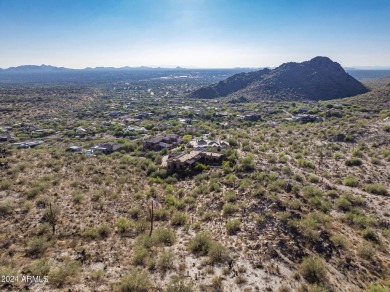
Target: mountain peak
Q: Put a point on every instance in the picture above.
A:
(317, 79)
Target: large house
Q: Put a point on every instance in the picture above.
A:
(162, 142)
(106, 148)
(181, 161)
(205, 143)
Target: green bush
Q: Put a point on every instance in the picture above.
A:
(311, 191)
(90, 233)
(305, 163)
(313, 179)
(165, 261)
(313, 270)
(40, 267)
(64, 273)
(377, 189)
(203, 244)
(351, 181)
(37, 245)
(179, 219)
(6, 207)
(136, 280)
(229, 209)
(140, 255)
(232, 227)
(200, 243)
(217, 253)
(163, 237)
(367, 251)
(353, 162)
(179, 284)
(343, 204)
(123, 224)
(370, 234)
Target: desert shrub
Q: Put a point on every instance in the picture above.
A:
(135, 212)
(123, 224)
(137, 280)
(367, 251)
(377, 189)
(37, 245)
(5, 184)
(247, 164)
(229, 209)
(200, 243)
(208, 215)
(217, 253)
(64, 273)
(370, 234)
(179, 284)
(386, 233)
(203, 244)
(318, 288)
(313, 270)
(339, 240)
(343, 204)
(277, 185)
(163, 236)
(6, 207)
(165, 261)
(78, 197)
(232, 227)
(311, 191)
(40, 267)
(104, 231)
(353, 162)
(179, 219)
(214, 186)
(90, 233)
(359, 219)
(161, 214)
(140, 255)
(378, 288)
(313, 179)
(351, 181)
(305, 163)
(142, 225)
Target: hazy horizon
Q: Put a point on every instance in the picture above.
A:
(192, 34)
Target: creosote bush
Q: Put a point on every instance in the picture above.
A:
(64, 273)
(137, 280)
(313, 270)
(203, 244)
(377, 189)
(232, 227)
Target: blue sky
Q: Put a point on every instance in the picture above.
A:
(193, 33)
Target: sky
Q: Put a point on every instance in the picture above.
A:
(193, 33)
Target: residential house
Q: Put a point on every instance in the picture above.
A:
(106, 148)
(161, 142)
(28, 144)
(181, 161)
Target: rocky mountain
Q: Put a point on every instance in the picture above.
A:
(317, 79)
(230, 85)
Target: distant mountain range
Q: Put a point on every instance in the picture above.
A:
(317, 79)
(52, 69)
